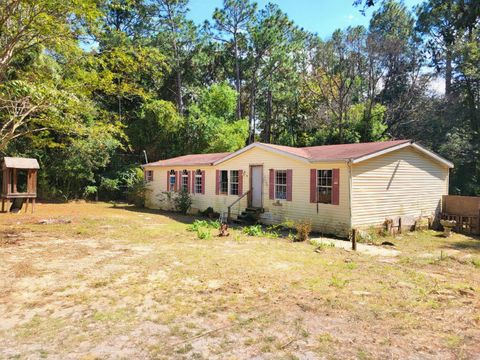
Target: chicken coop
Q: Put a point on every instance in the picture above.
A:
(19, 183)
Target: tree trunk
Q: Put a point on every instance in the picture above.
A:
(251, 114)
(448, 73)
(268, 118)
(179, 91)
(237, 78)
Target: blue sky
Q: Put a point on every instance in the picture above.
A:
(320, 16)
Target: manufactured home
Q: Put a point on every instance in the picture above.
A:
(335, 187)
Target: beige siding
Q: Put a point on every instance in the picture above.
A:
(403, 183)
(328, 218)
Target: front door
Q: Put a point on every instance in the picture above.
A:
(256, 178)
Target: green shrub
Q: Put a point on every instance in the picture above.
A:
(136, 187)
(271, 234)
(182, 201)
(90, 192)
(253, 230)
(320, 246)
(204, 234)
(209, 224)
(304, 228)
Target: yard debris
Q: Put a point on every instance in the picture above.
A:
(388, 243)
(54, 221)
(467, 292)
(448, 225)
(224, 230)
(9, 239)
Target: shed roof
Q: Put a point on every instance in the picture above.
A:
(20, 163)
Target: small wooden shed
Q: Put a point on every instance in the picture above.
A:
(19, 180)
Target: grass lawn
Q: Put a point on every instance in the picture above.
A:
(119, 282)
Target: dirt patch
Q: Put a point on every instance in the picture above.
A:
(108, 286)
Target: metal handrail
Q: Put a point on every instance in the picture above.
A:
(236, 201)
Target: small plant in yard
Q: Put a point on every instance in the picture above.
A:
(204, 234)
(322, 245)
(304, 228)
(209, 224)
(253, 230)
(203, 228)
(338, 282)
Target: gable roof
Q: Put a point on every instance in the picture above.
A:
(342, 152)
(190, 160)
(338, 152)
(354, 153)
(20, 163)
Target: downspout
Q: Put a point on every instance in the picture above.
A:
(349, 165)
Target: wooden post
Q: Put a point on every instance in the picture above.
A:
(354, 239)
(399, 225)
(26, 205)
(33, 204)
(14, 180)
(3, 205)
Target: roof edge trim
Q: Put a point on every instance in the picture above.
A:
(261, 146)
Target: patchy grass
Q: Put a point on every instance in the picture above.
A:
(120, 282)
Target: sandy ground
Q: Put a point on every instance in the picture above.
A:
(103, 282)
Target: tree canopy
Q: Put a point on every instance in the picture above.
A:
(88, 86)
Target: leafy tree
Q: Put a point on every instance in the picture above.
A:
(51, 24)
(231, 23)
(177, 36)
(212, 119)
(157, 128)
(273, 42)
(335, 75)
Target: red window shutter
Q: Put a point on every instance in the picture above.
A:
(203, 181)
(217, 182)
(240, 182)
(168, 180)
(177, 181)
(289, 185)
(313, 185)
(335, 186)
(271, 185)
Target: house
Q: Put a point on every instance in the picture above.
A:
(336, 187)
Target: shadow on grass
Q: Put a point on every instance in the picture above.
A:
(185, 219)
(472, 244)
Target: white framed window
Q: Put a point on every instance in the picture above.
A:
(184, 183)
(171, 180)
(149, 175)
(324, 186)
(233, 182)
(281, 184)
(224, 182)
(198, 182)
